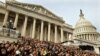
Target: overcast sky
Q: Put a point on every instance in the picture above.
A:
(69, 9)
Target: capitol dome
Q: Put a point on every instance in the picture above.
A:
(83, 22)
(84, 29)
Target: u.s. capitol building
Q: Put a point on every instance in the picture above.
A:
(37, 22)
(31, 20)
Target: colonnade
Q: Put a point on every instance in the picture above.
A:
(87, 36)
(24, 28)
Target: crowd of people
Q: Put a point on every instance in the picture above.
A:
(32, 47)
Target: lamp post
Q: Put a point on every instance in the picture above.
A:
(9, 27)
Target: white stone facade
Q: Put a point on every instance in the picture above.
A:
(34, 21)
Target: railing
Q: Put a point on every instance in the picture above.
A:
(8, 33)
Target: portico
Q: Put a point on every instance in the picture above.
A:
(36, 25)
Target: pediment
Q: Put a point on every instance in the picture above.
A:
(36, 8)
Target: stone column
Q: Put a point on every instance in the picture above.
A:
(41, 34)
(5, 18)
(70, 36)
(85, 36)
(80, 36)
(55, 34)
(16, 21)
(24, 26)
(33, 30)
(94, 37)
(89, 36)
(49, 29)
(44, 34)
(62, 34)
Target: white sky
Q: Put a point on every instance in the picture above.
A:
(69, 9)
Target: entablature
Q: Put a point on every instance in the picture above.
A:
(36, 8)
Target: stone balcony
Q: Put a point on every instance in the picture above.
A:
(4, 32)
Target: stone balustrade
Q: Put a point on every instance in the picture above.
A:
(12, 33)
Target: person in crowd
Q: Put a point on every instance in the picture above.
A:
(33, 47)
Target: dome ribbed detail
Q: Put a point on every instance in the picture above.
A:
(84, 29)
